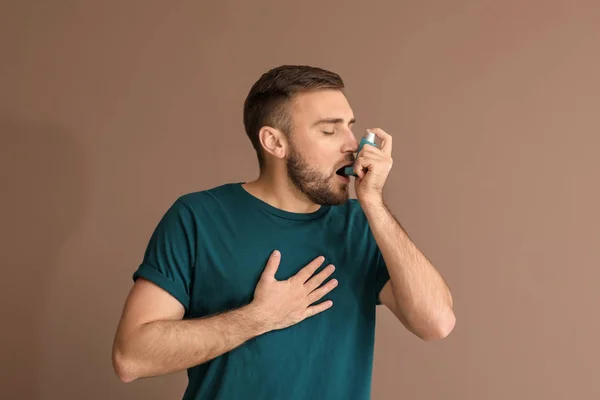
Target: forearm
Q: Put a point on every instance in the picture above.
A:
(166, 346)
(422, 297)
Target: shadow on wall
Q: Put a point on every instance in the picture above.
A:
(44, 187)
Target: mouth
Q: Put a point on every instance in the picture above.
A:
(341, 171)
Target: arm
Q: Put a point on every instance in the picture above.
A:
(415, 293)
(152, 339)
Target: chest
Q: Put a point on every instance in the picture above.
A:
(230, 265)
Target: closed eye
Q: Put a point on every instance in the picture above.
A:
(328, 133)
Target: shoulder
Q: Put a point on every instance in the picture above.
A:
(192, 207)
(351, 216)
(351, 209)
(207, 199)
(354, 206)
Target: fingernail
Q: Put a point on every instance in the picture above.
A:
(276, 252)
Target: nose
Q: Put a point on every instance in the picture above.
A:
(350, 143)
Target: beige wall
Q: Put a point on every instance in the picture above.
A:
(110, 111)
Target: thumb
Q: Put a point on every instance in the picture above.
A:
(272, 265)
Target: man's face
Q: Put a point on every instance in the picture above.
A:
(321, 142)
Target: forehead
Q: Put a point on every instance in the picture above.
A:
(309, 107)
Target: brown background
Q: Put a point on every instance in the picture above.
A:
(109, 111)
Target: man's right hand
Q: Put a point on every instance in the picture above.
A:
(284, 303)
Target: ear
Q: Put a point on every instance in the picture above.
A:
(273, 141)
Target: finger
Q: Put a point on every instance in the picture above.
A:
(317, 294)
(367, 150)
(362, 165)
(316, 280)
(372, 153)
(368, 161)
(318, 308)
(309, 269)
(272, 265)
(386, 140)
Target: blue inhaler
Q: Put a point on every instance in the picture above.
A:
(369, 138)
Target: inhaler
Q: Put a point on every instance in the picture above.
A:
(369, 138)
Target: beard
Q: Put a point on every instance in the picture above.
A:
(318, 187)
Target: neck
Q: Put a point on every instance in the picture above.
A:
(277, 190)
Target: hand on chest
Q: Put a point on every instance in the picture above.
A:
(227, 275)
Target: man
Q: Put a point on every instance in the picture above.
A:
(267, 289)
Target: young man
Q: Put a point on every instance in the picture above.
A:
(267, 289)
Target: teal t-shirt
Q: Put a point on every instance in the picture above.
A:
(209, 250)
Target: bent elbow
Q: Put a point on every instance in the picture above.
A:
(443, 328)
(123, 366)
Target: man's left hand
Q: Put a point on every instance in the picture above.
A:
(372, 166)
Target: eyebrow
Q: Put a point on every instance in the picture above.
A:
(333, 121)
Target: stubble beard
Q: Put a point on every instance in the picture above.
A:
(317, 187)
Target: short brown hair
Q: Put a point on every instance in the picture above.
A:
(267, 100)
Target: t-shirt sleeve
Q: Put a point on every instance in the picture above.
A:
(171, 252)
(381, 276)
